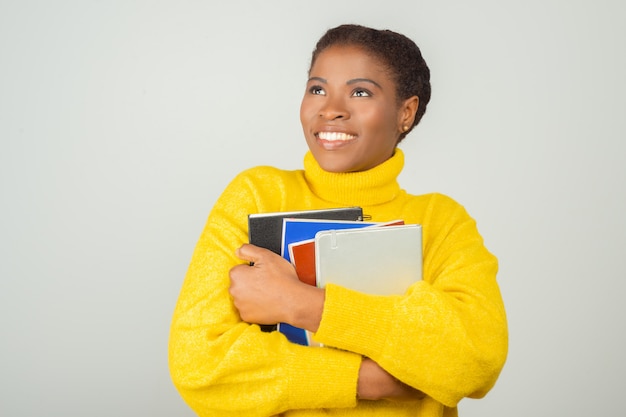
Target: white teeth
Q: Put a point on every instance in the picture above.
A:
(335, 136)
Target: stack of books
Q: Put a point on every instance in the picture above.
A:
(338, 246)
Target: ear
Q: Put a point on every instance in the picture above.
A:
(406, 113)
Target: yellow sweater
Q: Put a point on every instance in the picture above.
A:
(447, 336)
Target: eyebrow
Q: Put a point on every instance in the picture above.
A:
(349, 82)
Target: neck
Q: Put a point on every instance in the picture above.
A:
(374, 186)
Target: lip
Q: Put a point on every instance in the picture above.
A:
(334, 133)
(334, 136)
(331, 139)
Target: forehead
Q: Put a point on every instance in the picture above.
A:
(350, 61)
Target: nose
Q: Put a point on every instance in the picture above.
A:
(333, 109)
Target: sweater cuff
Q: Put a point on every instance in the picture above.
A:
(329, 373)
(355, 321)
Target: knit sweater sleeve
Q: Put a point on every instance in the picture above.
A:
(223, 366)
(447, 336)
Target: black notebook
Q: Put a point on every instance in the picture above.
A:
(266, 229)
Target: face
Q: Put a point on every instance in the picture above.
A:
(350, 115)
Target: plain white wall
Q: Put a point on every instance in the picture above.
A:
(122, 121)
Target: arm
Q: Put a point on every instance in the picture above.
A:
(447, 335)
(224, 366)
(270, 292)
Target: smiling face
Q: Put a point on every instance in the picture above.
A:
(350, 113)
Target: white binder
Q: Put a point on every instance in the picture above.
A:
(378, 261)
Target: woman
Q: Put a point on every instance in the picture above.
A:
(444, 340)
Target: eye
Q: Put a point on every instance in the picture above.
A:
(316, 90)
(361, 92)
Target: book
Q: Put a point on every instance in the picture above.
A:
(297, 230)
(298, 335)
(299, 249)
(302, 254)
(378, 261)
(266, 229)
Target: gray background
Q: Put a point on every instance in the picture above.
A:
(122, 121)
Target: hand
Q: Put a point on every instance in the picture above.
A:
(270, 292)
(377, 384)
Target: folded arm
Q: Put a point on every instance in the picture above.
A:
(447, 336)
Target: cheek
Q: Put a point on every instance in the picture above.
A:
(306, 109)
(379, 120)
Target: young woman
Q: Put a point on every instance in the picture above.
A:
(417, 354)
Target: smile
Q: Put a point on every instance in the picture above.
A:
(335, 136)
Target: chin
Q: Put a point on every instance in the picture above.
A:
(333, 163)
(335, 169)
(339, 166)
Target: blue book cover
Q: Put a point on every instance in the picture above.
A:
(297, 230)
(296, 334)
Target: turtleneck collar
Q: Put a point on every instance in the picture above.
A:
(367, 188)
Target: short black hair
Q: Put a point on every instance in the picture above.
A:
(400, 54)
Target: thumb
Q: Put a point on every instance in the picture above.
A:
(250, 253)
